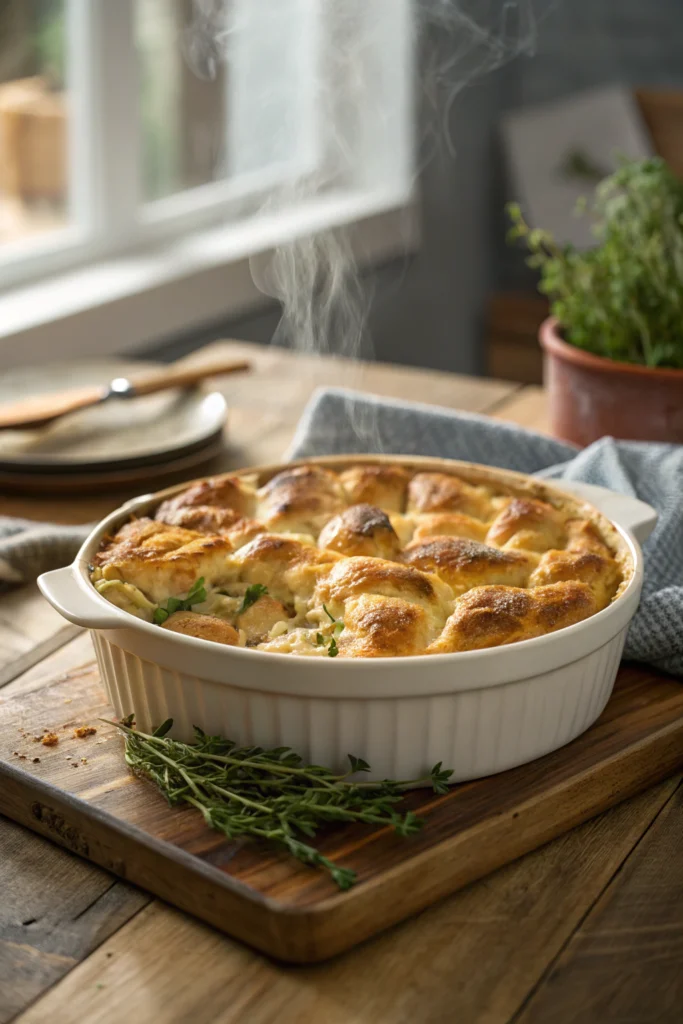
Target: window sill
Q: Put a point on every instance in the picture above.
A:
(129, 302)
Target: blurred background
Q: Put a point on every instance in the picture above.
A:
(134, 164)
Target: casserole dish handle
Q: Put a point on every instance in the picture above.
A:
(62, 589)
(634, 516)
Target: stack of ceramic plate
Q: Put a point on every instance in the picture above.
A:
(121, 443)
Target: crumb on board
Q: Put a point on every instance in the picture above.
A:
(36, 760)
(84, 760)
(84, 730)
(50, 739)
(68, 700)
(22, 757)
(69, 757)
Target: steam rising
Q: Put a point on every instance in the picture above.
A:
(316, 279)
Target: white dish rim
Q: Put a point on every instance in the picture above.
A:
(534, 653)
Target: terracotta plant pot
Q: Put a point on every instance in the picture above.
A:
(590, 396)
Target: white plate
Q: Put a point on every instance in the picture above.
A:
(118, 432)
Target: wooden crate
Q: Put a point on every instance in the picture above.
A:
(662, 111)
(33, 141)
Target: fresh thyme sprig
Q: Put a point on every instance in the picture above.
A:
(269, 795)
(179, 604)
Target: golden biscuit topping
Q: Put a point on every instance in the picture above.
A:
(372, 561)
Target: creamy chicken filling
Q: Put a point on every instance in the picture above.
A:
(300, 629)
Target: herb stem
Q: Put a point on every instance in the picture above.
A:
(230, 794)
(269, 795)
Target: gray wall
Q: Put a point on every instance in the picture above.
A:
(430, 310)
(438, 317)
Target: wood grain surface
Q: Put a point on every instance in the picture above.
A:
(472, 958)
(489, 954)
(81, 794)
(30, 629)
(625, 962)
(47, 930)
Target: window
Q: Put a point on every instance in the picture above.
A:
(126, 124)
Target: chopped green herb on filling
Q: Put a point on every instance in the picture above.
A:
(252, 595)
(178, 604)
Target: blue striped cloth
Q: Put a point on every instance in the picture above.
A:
(339, 421)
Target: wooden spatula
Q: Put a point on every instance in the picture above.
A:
(42, 409)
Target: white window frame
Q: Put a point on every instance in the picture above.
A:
(119, 248)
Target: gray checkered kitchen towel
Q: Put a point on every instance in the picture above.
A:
(338, 421)
(28, 548)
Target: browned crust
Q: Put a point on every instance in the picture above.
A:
(300, 500)
(493, 616)
(260, 617)
(353, 576)
(204, 627)
(599, 571)
(466, 563)
(384, 486)
(224, 492)
(530, 524)
(322, 534)
(449, 524)
(384, 627)
(204, 518)
(444, 492)
(361, 530)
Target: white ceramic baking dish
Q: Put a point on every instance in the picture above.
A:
(478, 712)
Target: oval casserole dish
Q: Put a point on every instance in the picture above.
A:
(479, 711)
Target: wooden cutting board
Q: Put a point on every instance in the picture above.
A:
(81, 794)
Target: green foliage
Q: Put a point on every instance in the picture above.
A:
(622, 299)
(50, 44)
(270, 795)
(330, 641)
(180, 604)
(253, 594)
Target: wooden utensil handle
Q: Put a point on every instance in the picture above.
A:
(46, 407)
(183, 376)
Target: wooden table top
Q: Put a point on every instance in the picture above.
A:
(589, 927)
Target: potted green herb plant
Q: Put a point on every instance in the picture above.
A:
(614, 343)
